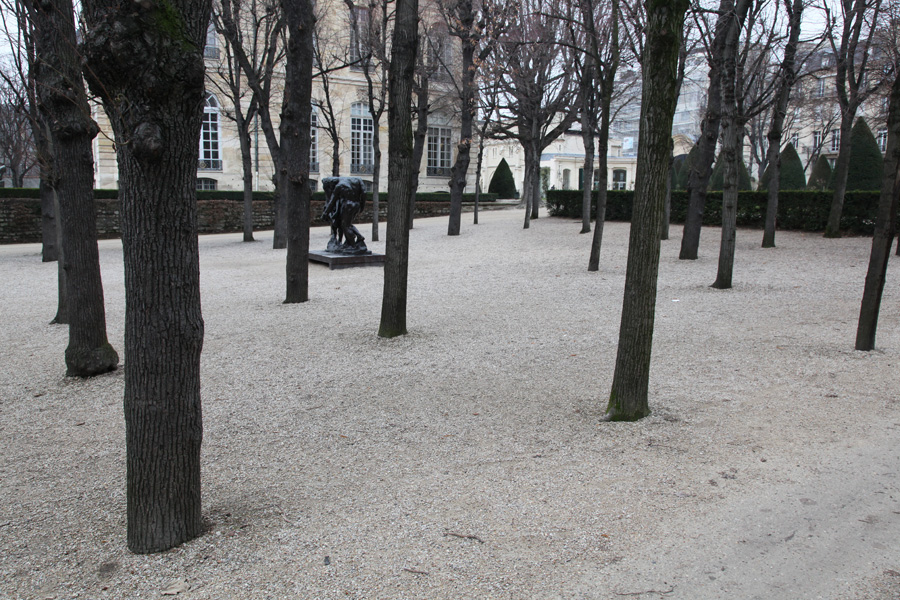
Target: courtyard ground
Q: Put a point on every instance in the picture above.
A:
(467, 459)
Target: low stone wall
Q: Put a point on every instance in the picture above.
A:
(20, 218)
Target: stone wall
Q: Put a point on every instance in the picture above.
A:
(20, 218)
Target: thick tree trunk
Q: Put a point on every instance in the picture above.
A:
(64, 109)
(628, 397)
(62, 304)
(49, 221)
(146, 65)
(280, 232)
(401, 168)
(885, 228)
(295, 140)
(478, 163)
(667, 206)
(701, 169)
(841, 167)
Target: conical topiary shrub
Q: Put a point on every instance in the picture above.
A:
(683, 168)
(820, 178)
(864, 170)
(717, 180)
(790, 176)
(502, 183)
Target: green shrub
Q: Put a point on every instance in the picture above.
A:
(790, 176)
(797, 209)
(502, 183)
(820, 178)
(717, 179)
(865, 169)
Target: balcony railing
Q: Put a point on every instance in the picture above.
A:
(210, 52)
(209, 165)
(362, 168)
(438, 171)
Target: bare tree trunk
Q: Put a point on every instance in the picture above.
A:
(841, 167)
(149, 73)
(280, 233)
(401, 168)
(701, 169)
(63, 105)
(602, 183)
(478, 163)
(528, 183)
(467, 117)
(667, 206)
(587, 135)
(779, 113)
(247, 171)
(49, 221)
(295, 140)
(419, 138)
(376, 176)
(628, 398)
(732, 148)
(885, 228)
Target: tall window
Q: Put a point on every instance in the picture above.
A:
(567, 176)
(620, 177)
(361, 130)
(882, 139)
(795, 141)
(835, 140)
(314, 142)
(819, 90)
(817, 140)
(211, 49)
(210, 159)
(438, 51)
(359, 35)
(439, 151)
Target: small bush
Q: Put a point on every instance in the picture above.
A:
(820, 177)
(502, 183)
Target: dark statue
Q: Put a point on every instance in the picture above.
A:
(345, 197)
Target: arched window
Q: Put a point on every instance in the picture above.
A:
(362, 155)
(210, 159)
(211, 49)
(206, 184)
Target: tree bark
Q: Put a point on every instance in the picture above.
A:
(701, 169)
(841, 167)
(145, 61)
(63, 105)
(602, 175)
(400, 168)
(779, 112)
(421, 134)
(465, 22)
(295, 140)
(885, 228)
(732, 147)
(628, 399)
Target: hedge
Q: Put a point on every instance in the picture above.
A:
(797, 210)
(238, 196)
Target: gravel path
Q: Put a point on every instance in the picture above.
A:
(466, 459)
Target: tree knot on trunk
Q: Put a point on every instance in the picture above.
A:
(147, 142)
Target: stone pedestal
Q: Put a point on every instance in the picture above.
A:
(345, 261)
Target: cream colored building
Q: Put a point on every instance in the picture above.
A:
(220, 157)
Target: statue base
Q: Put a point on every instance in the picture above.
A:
(346, 261)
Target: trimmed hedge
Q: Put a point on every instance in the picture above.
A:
(503, 183)
(238, 196)
(797, 210)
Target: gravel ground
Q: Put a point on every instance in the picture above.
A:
(467, 459)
